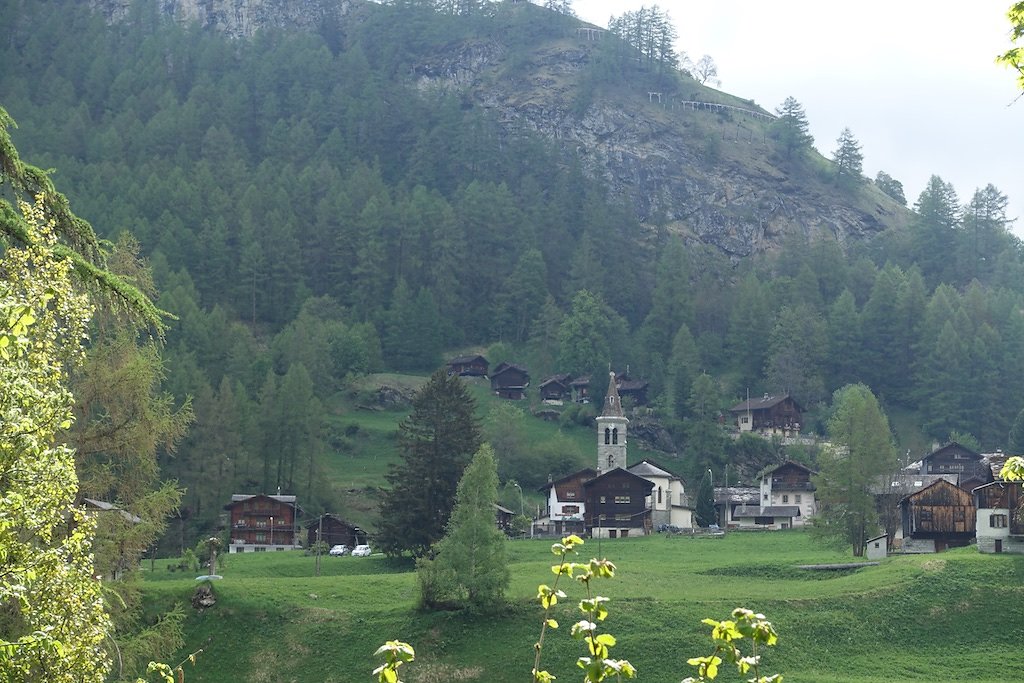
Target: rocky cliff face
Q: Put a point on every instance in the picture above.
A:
(707, 176)
(236, 18)
(710, 176)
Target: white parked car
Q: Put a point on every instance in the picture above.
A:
(361, 551)
(338, 550)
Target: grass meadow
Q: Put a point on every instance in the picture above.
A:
(956, 616)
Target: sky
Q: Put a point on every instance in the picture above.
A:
(914, 80)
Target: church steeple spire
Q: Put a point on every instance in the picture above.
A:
(612, 402)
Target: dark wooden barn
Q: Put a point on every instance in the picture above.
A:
(937, 517)
(468, 366)
(635, 390)
(333, 531)
(509, 380)
(616, 504)
(556, 388)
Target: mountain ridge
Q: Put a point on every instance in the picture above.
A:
(710, 177)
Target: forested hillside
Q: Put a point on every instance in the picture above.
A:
(312, 215)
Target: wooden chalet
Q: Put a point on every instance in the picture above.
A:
(565, 503)
(468, 366)
(789, 484)
(937, 517)
(510, 381)
(616, 504)
(262, 522)
(770, 414)
(971, 468)
(556, 388)
(333, 531)
(999, 526)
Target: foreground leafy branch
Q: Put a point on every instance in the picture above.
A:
(726, 636)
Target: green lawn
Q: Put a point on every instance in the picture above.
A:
(954, 616)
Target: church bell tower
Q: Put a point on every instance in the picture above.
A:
(611, 431)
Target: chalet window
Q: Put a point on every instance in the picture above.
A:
(798, 498)
(785, 498)
(261, 537)
(602, 500)
(959, 515)
(926, 515)
(744, 419)
(622, 499)
(997, 521)
(570, 494)
(570, 509)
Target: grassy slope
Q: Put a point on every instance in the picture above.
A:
(942, 617)
(358, 468)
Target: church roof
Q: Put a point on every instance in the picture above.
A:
(612, 402)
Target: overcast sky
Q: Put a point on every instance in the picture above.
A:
(914, 80)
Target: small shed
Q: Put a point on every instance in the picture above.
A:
(468, 366)
(510, 381)
(877, 548)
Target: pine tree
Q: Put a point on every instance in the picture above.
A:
(472, 553)
(437, 440)
(706, 515)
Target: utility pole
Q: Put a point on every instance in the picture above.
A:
(319, 545)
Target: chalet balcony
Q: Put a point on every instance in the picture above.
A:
(783, 485)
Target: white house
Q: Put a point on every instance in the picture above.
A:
(998, 529)
(668, 503)
(788, 490)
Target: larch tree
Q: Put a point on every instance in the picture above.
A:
(848, 158)
(791, 129)
(472, 555)
(437, 439)
(863, 449)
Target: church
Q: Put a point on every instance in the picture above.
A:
(614, 500)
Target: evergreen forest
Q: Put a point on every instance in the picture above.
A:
(309, 216)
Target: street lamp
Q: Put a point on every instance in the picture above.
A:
(522, 512)
(271, 531)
